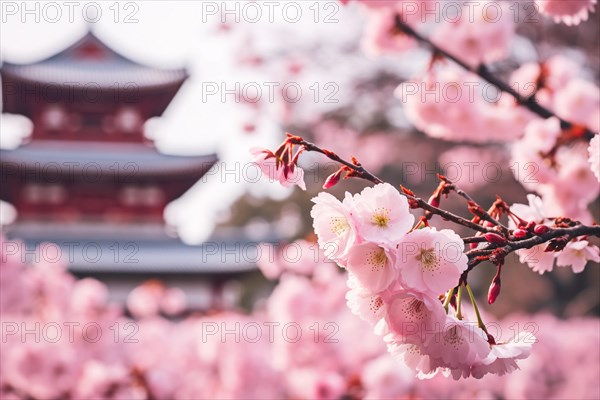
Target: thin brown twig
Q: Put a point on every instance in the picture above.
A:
(476, 256)
(361, 172)
(485, 215)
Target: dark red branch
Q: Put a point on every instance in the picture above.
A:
(477, 256)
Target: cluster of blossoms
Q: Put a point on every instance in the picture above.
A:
(449, 103)
(556, 163)
(481, 34)
(155, 356)
(570, 12)
(455, 103)
(408, 280)
(397, 278)
(575, 254)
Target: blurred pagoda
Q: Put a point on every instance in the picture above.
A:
(88, 179)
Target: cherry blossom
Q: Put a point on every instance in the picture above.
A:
(530, 167)
(577, 254)
(413, 356)
(502, 357)
(385, 378)
(333, 224)
(431, 261)
(560, 175)
(382, 214)
(574, 187)
(373, 265)
(278, 169)
(457, 346)
(44, 370)
(378, 37)
(571, 12)
(175, 358)
(369, 306)
(481, 35)
(450, 104)
(579, 102)
(412, 316)
(144, 300)
(536, 258)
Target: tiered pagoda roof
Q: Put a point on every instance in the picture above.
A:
(89, 175)
(90, 60)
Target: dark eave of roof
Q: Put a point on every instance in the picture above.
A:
(232, 253)
(126, 159)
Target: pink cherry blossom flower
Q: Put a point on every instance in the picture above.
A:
(43, 370)
(373, 265)
(144, 300)
(594, 159)
(574, 185)
(275, 169)
(267, 264)
(482, 37)
(309, 383)
(479, 160)
(411, 316)
(385, 378)
(333, 224)
(89, 296)
(369, 306)
(173, 302)
(542, 134)
(379, 36)
(579, 102)
(534, 211)
(530, 168)
(536, 258)
(382, 214)
(413, 356)
(458, 346)
(577, 254)
(431, 261)
(571, 12)
(98, 379)
(502, 357)
(444, 105)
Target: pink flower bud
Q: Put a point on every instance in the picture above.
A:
(495, 238)
(520, 233)
(473, 246)
(541, 229)
(494, 291)
(530, 226)
(333, 179)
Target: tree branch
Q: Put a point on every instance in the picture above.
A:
(360, 172)
(477, 256)
(483, 72)
(491, 252)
